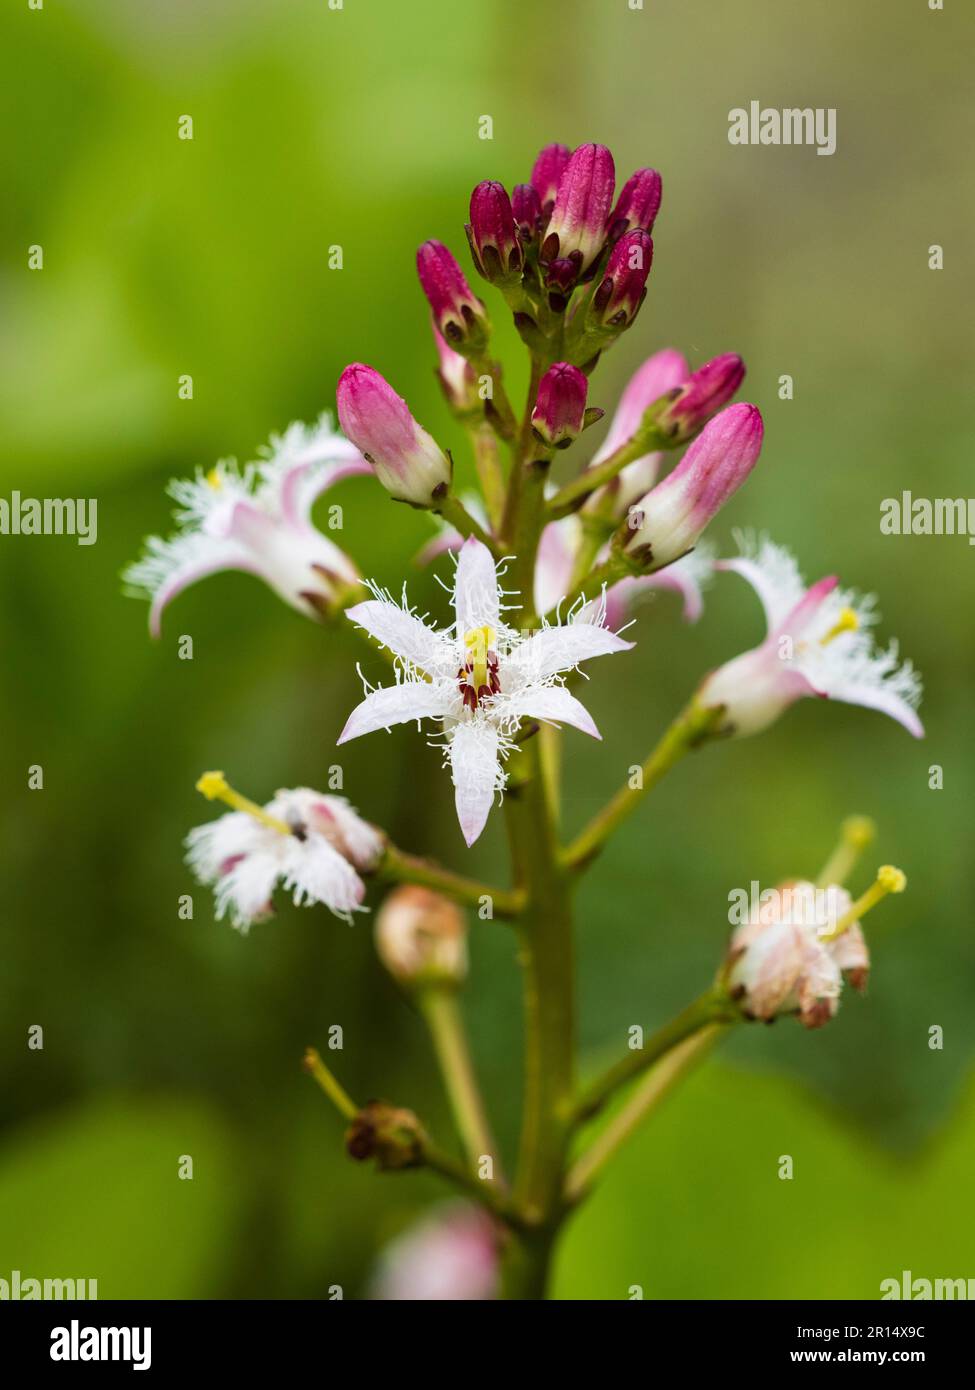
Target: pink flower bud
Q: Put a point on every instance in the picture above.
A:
(664, 372)
(457, 377)
(457, 312)
(408, 462)
(577, 227)
(638, 204)
(560, 407)
(547, 173)
(450, 1255)
(669, 520)
(623, 288)
(527, 211)
(494, 237)
(708, 389)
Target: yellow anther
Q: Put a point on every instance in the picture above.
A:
(215, 787)
(846, 622)
(888, 880)
(214, 479)
(856, 833)
(479, 641)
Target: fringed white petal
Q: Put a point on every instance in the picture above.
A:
(476, 772)
(561, 647)
(402, 632)
(550, 703)
(313, 872)
(397, 704)
(477, 602)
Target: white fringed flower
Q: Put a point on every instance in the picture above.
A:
(478, 678)
(257, 520)
(312, 844)
(818, 643)
(783, 960)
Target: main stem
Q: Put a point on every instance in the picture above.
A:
(545, 934)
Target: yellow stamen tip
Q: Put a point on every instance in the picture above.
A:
(212, 785)
(859, 831)
(214, 479)
(846, 622)
(891, 880)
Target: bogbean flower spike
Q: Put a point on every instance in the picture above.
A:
(552, 560)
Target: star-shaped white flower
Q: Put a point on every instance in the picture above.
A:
(479, 678)
(257, 520)
(314, 845)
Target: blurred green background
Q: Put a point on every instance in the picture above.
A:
(164, 1037)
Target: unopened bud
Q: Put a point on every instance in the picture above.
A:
(637, 206)
(623, 287)
(577, 227)
(495, 244)
(457, 311)
(707, 390)
(547, 174)
(421, 938)
(667, 522)
(408, 462)
(560, 408)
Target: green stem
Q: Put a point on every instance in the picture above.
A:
(690, 728)
(712, 1007)
(399, 867)
(486, 460)
(570, 497)
(456, 515)
(336, 1093)
(603, 576)
(442, 1013)
(488, 1194)
(658, 1083)
(545, 934)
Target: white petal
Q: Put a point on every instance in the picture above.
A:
(314, 872)
(168, 567)
(476, 600)
(473, 753)
(400, 631)
(548, 702)
(246, 890)
(882, 697)
(560, 647)
(210, 846)
(396, 704)
(773, 574)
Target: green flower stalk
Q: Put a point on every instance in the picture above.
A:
(542, 573)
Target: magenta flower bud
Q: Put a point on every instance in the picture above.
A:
(457, 377)
(707, 390)
(547, 173)
(667, 522)
(527, 211)
(638, 204)
(560, 279)
(577, 227)
(624, 286)
(560, 407)
(457, 312)
(493, 235)
(408, 462)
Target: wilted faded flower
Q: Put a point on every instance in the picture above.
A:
(783, 960)
(421, 937)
